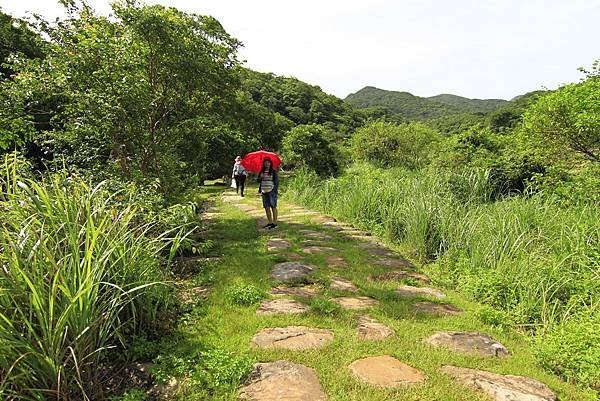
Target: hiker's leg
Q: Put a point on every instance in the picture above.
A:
(269, 215)
(242, 183)
(237, 184)
(274, 215)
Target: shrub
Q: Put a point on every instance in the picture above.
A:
(210, 369)
(243, 294)
(571, 349)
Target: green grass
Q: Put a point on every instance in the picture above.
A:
(79, 274)
(529, 258)
(220, 324)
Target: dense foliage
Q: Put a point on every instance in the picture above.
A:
(503, 207)
(307, 146)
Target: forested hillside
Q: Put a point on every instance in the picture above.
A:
(405, 106)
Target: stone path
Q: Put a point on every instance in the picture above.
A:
(292, 337)
(281, 307)
(371, 329)
(282, 380)
(356, 303)
(472, 343)
(341, 284)
(291, 272)
(288, 381)
(385, 371)
(408, 291)
(500, 387)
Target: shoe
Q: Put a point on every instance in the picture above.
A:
(272, 226)
(268, 226)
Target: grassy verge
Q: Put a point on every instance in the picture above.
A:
(533, 262)
(211, 354)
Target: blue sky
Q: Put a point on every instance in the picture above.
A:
(472, 48)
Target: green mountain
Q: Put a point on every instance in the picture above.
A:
(410, 107)
(403, 104)
(469, 105)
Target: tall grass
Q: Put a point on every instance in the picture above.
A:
(77, 276)
(536, 263)
(525, 254)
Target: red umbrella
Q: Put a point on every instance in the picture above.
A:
(253, 161)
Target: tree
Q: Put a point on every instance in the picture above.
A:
(387, 144)
(567, 121)
(133, 86)
(307, 146)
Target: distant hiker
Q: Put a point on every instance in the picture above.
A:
(268, 187)
(239, 175)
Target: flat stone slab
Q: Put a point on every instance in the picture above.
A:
(336, 261)
(341, 284)
(315, 234)
(282, 380)
(408, 291)
(293, 256)
(371, 329)
(355, 303)
(396, 263)
(291, 272)
(317, 249)
(281, 307)
(337, 225)
(277, 244)
(501, 387)
(307, 291)
(470, 343)
(323, 219)
(385, 371)
(436, 309)
(292, 338)
(401, 275)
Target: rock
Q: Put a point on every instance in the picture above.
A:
(408, 291)
(304, 291)
(336, 261)
(291, 272)
(436, 309)
(338, 283)
(501, 387)
(293, 256)
(247, 208)
(371, 329)
(360, 237)
(281, 307)
(315, 234)
(165, 391)
(355, 302)
(472, 343)
(317, 249)
(401, 275)
(282, 380)
(323, 219)
(395, 263)
(385, 371)
(292, 338)
(337, 225)
(277, 244)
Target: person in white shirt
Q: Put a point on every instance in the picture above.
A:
(239, 174)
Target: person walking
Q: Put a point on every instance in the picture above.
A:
(239, 174)
(268, 187)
